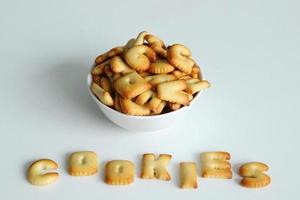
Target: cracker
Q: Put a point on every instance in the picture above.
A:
(155, 167)
(149, 99)
(119, 66)
(117, 105)
(196, 72)
(179, 56)
(253, 176)
(195, 85)
(143, 98)
(178, 74)
(119, 172)
(157, 45)
(116, 76)
(111, 53)
(131, 108)
(174, 106)
(105, 84)
(99, 69)
(139, 57)
(36, 174)
(160, 78)
(131, 85)
(83, 163)
(172, 91)
(129, 44)
(140, 38)
(216, 165)
(161, 67)
(188, 175)
(96, 79)
(102, 95)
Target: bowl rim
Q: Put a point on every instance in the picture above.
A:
(89, 81)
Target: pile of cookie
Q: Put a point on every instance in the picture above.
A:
(121, 172)
(145, 77)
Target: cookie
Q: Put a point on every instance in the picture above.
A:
(139, 57)
(155, 167)
(188, 175)
(179, 56)
(131, 85)
(36, 174)
(172, 91)
(216, 165)
(119, 172)
(253, 175)
(83, 163)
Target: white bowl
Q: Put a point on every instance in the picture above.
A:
(143, 123)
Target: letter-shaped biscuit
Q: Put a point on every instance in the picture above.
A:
(36, 174)
(160, 78)
(129, 44)
(157, 45)
(117, 102)
(216, 165)
(102, 95)
(99, 69)
(188, 175)
(253, 176)
(119, 172)
(119, 66)
(161, 67)
(155, 167)
(195, 85)
(174, 106)
(179, 56)
(111, 53)
(149, 98)
(105, 84)
(83, 163)
(140, 38)
(172, 91)
(131, 108)
(139, 57)
(196, 72)
(131, 85)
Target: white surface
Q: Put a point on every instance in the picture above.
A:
(249, 50)
(143, 123)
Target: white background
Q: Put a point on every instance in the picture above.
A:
(248, 50)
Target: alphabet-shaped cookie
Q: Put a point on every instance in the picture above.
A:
(119, 172)
(36, 174)
(83, 163)
(188, 175)
(155, 167)
(253, 175)
(216, 165)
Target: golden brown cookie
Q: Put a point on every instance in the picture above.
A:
(179, 56)
(131, 108)
(157, 45)
(139, 57)
(83, 163)
(253, 176)
(111, 53)
(36, 174)
(161, 67)
(131, 85)
(216, 165)
(188, 175)
(102, 95)
(155, 167)
(119, 172)
(172, 91)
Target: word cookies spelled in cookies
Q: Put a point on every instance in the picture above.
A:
(122, 172)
